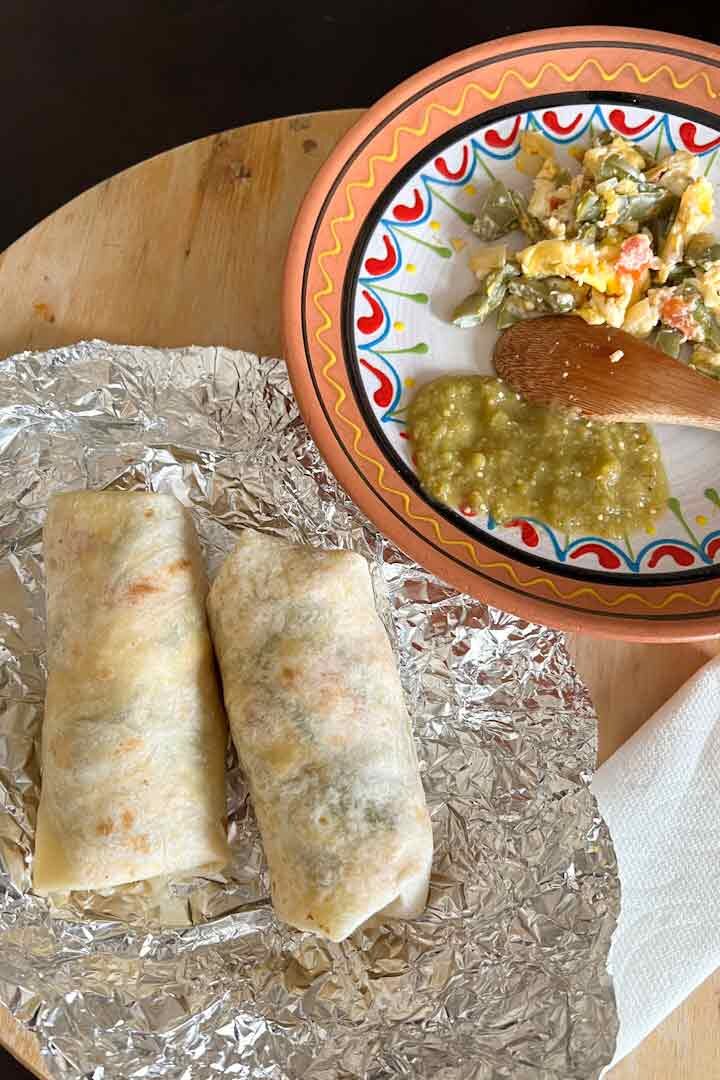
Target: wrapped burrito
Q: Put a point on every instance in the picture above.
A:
(319, 721)
(134, 733)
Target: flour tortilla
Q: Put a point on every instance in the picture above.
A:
(317, 714)
(134, 732)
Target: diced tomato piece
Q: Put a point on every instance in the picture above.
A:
(635, 254)
(555, 202)
(677, 313)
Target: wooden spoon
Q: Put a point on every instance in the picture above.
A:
(561, 360)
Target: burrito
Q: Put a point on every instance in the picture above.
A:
(318, 718)
(134, 735)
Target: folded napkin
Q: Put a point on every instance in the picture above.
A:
(660, 796)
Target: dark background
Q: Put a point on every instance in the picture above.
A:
(88, 87)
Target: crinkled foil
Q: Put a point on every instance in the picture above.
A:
(505, 973)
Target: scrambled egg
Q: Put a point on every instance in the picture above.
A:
(540, 205)
(609, 308)
(613, 241)
(569, 258)
(675, 172)
(536, 155)
(694, 214)
(644, 315)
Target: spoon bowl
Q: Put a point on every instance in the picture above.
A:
(603, 374)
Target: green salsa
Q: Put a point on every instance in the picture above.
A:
(480, 447)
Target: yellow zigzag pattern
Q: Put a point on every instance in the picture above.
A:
(328, 289)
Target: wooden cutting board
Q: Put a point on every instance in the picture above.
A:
(188, 249)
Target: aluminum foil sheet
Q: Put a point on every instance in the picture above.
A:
(505, 973)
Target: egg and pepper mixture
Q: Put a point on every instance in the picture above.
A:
(623, 242)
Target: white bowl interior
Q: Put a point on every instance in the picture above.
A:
(415, 268)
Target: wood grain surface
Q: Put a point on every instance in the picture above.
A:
(188, 248)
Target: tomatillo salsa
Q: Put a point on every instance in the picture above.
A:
(480, 447)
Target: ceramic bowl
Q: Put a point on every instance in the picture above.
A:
(380, 256)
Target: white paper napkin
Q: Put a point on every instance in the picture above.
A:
(660, 796)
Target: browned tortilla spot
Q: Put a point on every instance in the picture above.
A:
(141, 588)
(149, 512)
(127, 817)
(179, 564)
(124, 747)
(140, 843)
(288, 676)
(104, 828)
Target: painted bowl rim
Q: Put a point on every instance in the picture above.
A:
(631, 625)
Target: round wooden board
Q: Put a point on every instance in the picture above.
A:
(188, 249)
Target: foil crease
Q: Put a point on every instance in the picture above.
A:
(505, 973)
